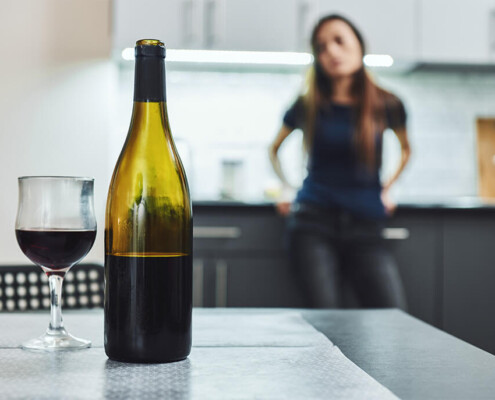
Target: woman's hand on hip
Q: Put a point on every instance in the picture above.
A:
(283, 207)
(388, 203)
(285, 200)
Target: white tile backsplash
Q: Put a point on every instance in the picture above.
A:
(234, 116)
(442, 110)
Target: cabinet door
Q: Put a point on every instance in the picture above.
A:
(415, 241)
(261, 282)
(388, 26)
(469, 264)
(204, 281)
(457, 33)
(244, 282)
(258, 25)
(170, 21)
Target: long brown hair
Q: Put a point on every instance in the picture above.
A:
(371, 99)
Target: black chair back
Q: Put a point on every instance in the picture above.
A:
(25, 288)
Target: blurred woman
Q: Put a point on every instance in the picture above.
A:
(336, 219)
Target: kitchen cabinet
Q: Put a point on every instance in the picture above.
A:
(388, 26)
(255, 281)
(275, 25)
(415, 239)
(237, 264)
(259, 281)
(469, 295)
(431, 31)
(170, 20)
(241, 261)
(460, 33)
(256, 25)
(260, 25)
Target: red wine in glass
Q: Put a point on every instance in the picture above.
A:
(55, 249)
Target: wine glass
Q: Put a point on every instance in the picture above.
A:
(55, 229)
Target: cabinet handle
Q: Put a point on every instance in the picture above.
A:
(491, 31)
(187, 22)
(221, 284)
(209, 21)
(395, 233)
(217, 232)
(302, 23)
(198, 281)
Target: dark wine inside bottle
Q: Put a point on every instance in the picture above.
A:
(150, 301)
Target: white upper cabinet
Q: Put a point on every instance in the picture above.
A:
(457, 33)
(168, 20)
(262, 25)
(256, 25)
(437, 31)
(388, 26)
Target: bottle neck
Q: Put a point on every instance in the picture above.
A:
(149, 79)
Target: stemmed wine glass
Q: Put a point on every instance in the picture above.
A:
(55, 229)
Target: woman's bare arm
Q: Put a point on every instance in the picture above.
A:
(283, 205)
(405, 154)
(282, 134)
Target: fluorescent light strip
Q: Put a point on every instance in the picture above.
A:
(231, 57)
(240, 57)
(253, 57)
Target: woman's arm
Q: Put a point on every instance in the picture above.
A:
(405, 150)
(273, 153)
(284, 205)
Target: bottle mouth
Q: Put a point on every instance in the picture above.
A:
(149, 42)
(149, 48)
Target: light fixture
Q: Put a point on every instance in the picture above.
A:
(253, 57)
(128, 54)
(378, 60)
(231, 57)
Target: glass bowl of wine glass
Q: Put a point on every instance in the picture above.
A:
(55, 228)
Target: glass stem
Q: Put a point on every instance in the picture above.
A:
(56, 323)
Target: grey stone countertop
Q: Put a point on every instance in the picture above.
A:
(456, 203)
(257, 354)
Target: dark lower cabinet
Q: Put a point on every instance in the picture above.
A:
(416, 246)
(239, 258)
(230, 281)
(256, 282)
(469, 279)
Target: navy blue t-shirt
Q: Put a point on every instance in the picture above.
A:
(336, 178)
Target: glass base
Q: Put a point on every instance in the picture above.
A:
(56, 340)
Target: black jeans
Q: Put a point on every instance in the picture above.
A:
(328, 248)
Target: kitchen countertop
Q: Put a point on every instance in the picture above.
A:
(460, 203)
(410, 358)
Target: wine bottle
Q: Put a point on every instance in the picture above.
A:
(148, 230)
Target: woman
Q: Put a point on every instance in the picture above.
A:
(336, 219)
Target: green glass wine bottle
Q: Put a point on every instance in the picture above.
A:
(148, 230)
